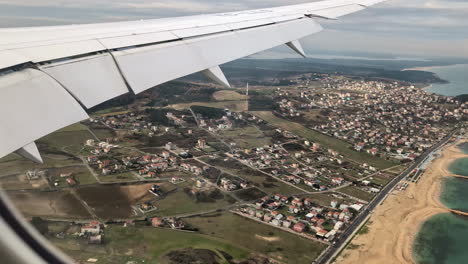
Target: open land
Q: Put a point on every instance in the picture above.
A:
(188, 173)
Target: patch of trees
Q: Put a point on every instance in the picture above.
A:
(208, 112)
(40, 224)
(462, 98)
(158, 116)
(123, 100)
(261, 103)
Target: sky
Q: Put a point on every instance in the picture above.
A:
(400, 28)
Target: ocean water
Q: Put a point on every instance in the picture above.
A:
(464, 147)
(443, 239)
(454, 193)
(457, 75)
(460, 167)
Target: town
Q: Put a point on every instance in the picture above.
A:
(306, 168)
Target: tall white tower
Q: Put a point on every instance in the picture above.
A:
(247, 97)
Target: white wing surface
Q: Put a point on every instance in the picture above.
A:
(49, 76)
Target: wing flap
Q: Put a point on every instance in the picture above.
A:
(147, 67)
(33, 105)
(93, 63)
(94, 80)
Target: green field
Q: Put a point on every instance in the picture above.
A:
(144, 244)
(120, 177)
(397, 169)
(103, 133)
(236, 106)
(74, 127)
(246, 137)
(228, 95)
(326, 141)
(258, 237)
(179, 202)
(358, 193)
(14, 164)
(70, 139)
(111, 111)
(323, 199)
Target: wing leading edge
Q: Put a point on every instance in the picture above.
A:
(48, 74)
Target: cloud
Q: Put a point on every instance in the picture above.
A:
(425, 27)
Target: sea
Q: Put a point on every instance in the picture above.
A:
(457, 75)
(443, 239)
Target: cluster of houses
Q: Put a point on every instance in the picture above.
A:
(229, 184)
(146, 165)
(93, 232)
(382, 119)
(214, 125)
(302, 215)
(313, 167)
(139, 123)
(171, 222)
(400, 123)
(227, 121)
(101, 147)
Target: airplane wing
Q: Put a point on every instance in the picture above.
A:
(49, 76)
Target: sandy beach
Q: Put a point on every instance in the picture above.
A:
(394, 225)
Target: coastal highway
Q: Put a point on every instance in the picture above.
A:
(331, 251)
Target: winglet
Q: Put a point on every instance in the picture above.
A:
(297, 47)
(216, 74)
(30, 152)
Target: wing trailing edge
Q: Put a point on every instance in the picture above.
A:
(50, 75)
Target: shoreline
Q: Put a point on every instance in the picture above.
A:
(395, 224)
(429, 68)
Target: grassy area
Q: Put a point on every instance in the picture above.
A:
(246, 137)
(111, 111)
(103, 133)
(70, 141)
(14, 164)
(397, 169)
(258, 237)
(179, 202)
(236, 106)
(144, 244)
(323, 199)
(80, 173)
(228, 95)
(21, 182)
(74, 127)
(326, 141)
(380, 180)
(358, 193)
(120, 177)
(85, 177)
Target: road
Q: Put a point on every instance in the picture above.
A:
(331, 251)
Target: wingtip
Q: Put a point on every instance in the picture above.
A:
(297, 47)
(217, 75)
(30, 152)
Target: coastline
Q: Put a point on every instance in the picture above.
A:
(429, 68)
(394, 225)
